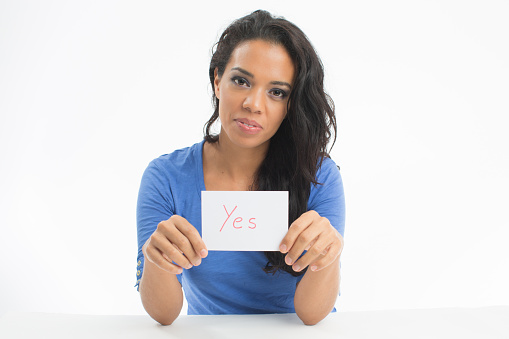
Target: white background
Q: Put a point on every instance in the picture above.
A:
(91, 91)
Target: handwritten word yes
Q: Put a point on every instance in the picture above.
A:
(237, 220)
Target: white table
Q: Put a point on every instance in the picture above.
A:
(485, 322)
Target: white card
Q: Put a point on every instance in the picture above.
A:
(244, 220)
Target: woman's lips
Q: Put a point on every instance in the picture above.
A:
(248, 126)
(250, 123)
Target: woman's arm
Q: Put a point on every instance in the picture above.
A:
(175, 245)
(161, 293)
(316, 294)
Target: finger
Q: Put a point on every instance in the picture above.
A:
(166, 257)
(325, 261)
(161, 243)
(315, 253)
(178, 249)
(312, 243)
(296, 228)
(155, 257)
(171, 231)
(309, 245)
(184, 246)
(192, 235)
(304, 240)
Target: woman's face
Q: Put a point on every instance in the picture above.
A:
(253, 93)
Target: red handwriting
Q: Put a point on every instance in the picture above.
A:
(252, 223)
(229, 215)
(237, 220)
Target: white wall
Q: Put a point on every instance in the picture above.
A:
(90, 92)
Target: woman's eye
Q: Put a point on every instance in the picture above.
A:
(240, 81)
(278, 93)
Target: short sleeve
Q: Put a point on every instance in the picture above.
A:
(328, 198)
(155, 204)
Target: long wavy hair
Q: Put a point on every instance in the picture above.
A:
(297, 149)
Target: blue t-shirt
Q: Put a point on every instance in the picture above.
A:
(226, 282)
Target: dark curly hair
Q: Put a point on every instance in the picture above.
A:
(297, 149)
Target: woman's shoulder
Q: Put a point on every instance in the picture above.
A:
(327, 167)
(327, 198)
(179, 159)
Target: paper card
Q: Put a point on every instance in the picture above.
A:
(244, 220)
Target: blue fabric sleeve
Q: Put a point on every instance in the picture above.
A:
(155, 204)
(328, 197)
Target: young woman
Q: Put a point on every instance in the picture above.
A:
(276, 122)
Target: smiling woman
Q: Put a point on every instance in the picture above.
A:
(276, 123)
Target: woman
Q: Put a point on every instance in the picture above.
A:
(276, 121)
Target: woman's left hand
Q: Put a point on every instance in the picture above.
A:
(315, 234)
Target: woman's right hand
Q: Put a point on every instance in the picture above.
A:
(175, 240)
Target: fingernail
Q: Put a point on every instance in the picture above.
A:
(282, 248)
(288, 260)
(197, 262)
(296, 268)
(189, 266)
(313, 268)
(203, 253)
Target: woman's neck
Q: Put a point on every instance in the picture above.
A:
(232, 163)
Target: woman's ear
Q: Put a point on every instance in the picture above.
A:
(216, 83)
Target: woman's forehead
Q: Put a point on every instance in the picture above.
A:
(263, 59)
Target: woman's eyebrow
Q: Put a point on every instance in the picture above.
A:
(281, 83)
(241, 70)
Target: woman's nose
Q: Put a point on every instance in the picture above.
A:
(255, 101)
